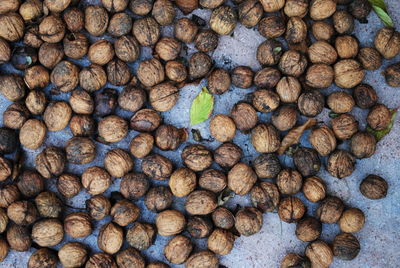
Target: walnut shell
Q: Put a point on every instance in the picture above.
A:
(201, 202)
(158, 198)
(18, 237)
(330, 209)
(362, 145)
(344, 126)
(291, 209)
(112, 128)
(98, 206)
(244, 116)
(22, 212)
(47, 232)
(223, 20)
(96, 180)
(43, 257)
(374, 187)
(96, 20)
(185, 30)
(352, 220)
(141, 145)
(265, 196)
(130, 257)
(265, 138)
(202, 258)
(100, 259)
(78, 224)
(65, 76)
(124, 212)
(379, 117)
(141, 236)
(213, 180)
(241, 178)
(50, 162)
(80, 150)
(157, 167)
(314, 189)
(182, 182)
(289, 181)
(199, 227)
(341, 164)
(197, 157)
(178, 249)
(32, 134)
(164, 96)
(308, 229)
(146, 30)
(348, 73)
(48, 205)
(387, 42)
(221, 241)
(248, 221)
(118, 162)
(346, 246)
(267, 166)
(145, 120)
(73, 255)
(170, 222)
(319, 253)
(110, 238)
(57, 115)
(69, 185)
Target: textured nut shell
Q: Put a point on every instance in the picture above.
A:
(78, 224)
(221, 241)
(73, 255)
(348, 73)
(141, 236)
(32, 134)
(197, 157)
(223, 20)
(222, 128)
(47, 232)
(248, 221)
(96, 180)
(157, 167)
(322, 9)
(241, 178)
(110, 238)
(124, 212)
(178, 249)
(170, 222)
(288, 89)
(141, 145)
(265, 196)
(50, 162)
(96, 20)
(65, 76)
(330, 210)
(113, 128)
(182, 182)
(69, 185)
(203, 258)
(352, 220)
(146, 30)
(319, 253)
(18, 237)
(291, 209)
(130, 257)
(118, 162)
(201, 202)
(265, 138)
(314, 189)
(374, 187)
(57, 115)
(341, 164)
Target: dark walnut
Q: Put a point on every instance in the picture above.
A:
(100, 259)
(43, 258)
(267, 77)
(134, 185)
(82, 125)
(346, 246)
(12, 87)
(307, 161)
(65, 76)
(362, 145)
(157, 167)
(296, 30)
(267, 166)
(168, 137)
(387, 42)
(265, 101)
(370, 58)
(8, 141)
(272, 26)
(141, 235)
(344, 126)
(244, 115)
(199, 65)
(201, 202)
(392, 75)
(330, 209)
(265, 196)
(92, 78)
(36, 77)
(291, 209)
(308, 229)
(80, 150)
(223, 218)
(293, 63)
(185, 30)
(242, 77)
(48, 205)
(219, 81)
(227, 155)
(74, 19)
(145, 120)
(164, 96)
(158, 198)
(248, 221)
(206, 41)
(50, 162)
(30, 183)
(98, 207)
(124, 212)
(199, 227)
(343, 22)
(18, 237)
(295, 260)
(374, 187)
(6, 168)
(168, 48)
(8, 195)
(120, 24)
(269, 52)
(130, 257)
(241, 178)
(223, 20)
(163, 12)
(341, 164)
(146, 30)
(197, 157)
(379, 117)
(178, 249)
(127, 48)
(213, 180)
(289, 181)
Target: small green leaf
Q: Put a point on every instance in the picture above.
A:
(379, 134)
(224, 196)
(277, 50)
(333, 115)
(381, 10)
(202, 107)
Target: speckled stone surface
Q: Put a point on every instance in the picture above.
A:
(379, 238)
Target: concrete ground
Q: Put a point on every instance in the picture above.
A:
(379, 238)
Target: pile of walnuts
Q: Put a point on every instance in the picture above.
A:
(45, 44)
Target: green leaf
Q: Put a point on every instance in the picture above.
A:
(333, 115)
(277, 50)
(381, 10)
(379, 134)
(202, 107)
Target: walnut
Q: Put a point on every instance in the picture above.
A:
(341, 164)
(199, 227)
(157, 167)
(50, 162)
(96, 180)
(241, 178)
(141, 235)
(158, 198)
(141, 145)
(244, 115)
(73, 255)
(118, 162)
(314, 189)
(291, 209)
(47, 232)
(80, 150)
(265, 138)
(265, 196)
(248, 221)
(346, 246)
(308, 229)
(22, 212)
(319, 253)
(374, 187)
(69, 185)
(202, 258)
(201, 202)
(78, 224)
(289, 181)
(197, 157)
(330, 210)
(130, 257)
(170, 222)
(124, 212)
(267, 166)
(98, 206)
(178, 249)
(110, 238)
(48, 205)
(221, 241)
(352, 220)
(112, 128)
